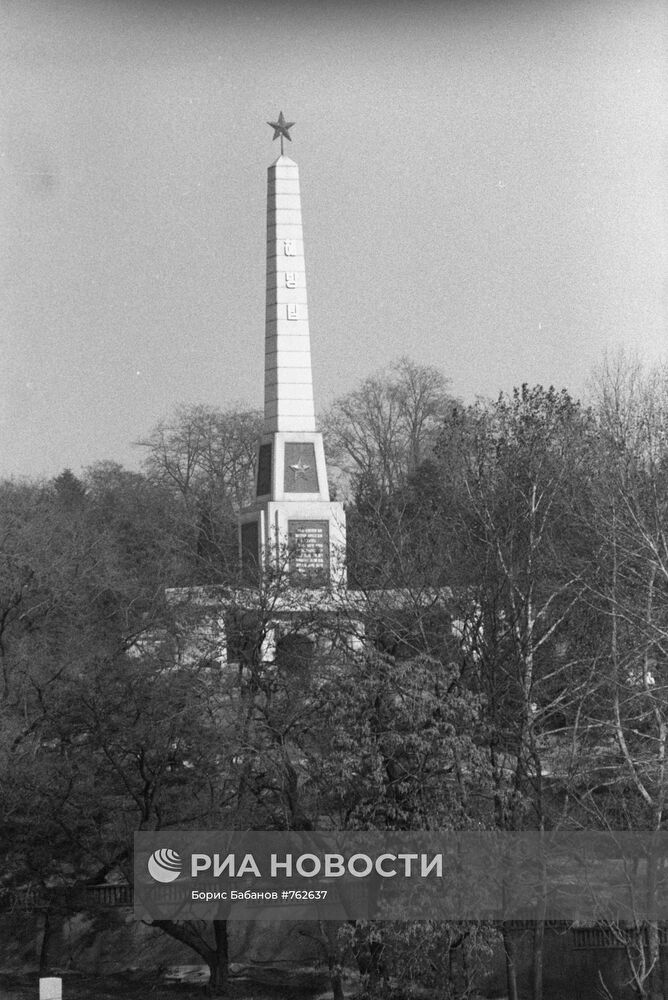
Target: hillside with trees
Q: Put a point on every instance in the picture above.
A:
(520, 685)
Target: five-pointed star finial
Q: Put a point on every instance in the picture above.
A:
(282, 128)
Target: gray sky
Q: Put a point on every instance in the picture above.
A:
(483, 188)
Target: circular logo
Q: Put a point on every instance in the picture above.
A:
(164, 865)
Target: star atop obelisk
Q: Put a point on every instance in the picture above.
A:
(282, 128)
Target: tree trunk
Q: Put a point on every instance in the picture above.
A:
(215, 956)
(336, 982)
(537, 967)
(654, 980)
(368, 950)
(511, 965)
(376, 971)
(44, 949)
(218, 960)
(328, 939)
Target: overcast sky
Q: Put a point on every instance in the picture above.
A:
(483, 188)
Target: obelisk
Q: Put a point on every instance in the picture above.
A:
(292, 529)
(288, 385)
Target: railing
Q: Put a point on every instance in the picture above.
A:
(68, 897)
(111, 894)
(606, 937)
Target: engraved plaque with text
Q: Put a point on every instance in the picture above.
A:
(309, 552)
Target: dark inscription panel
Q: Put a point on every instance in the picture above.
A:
(264, 470)
(309, 551)
(250, 550)
(300, 475)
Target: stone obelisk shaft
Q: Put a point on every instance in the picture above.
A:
(288, 385)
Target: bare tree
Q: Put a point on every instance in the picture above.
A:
(207, 457)
(625, 722)
(382, 431)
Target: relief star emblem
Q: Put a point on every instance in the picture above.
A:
(300, 469)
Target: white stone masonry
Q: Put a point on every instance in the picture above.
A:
(288, 387)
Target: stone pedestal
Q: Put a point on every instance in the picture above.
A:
(50, 988)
